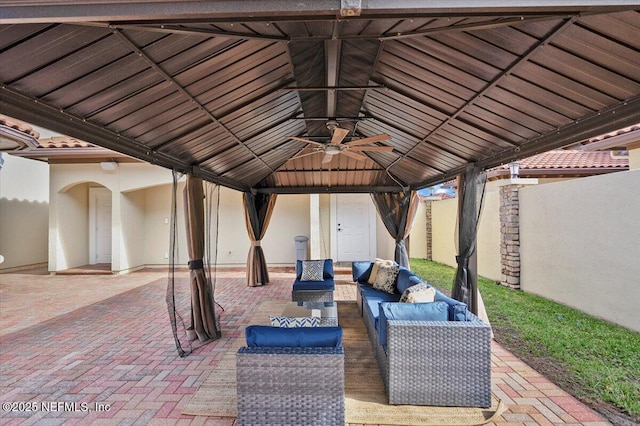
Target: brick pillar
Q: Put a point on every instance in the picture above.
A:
(429, 222)
(510, 235)
(510, 230)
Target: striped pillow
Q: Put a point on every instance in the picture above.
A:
(312, 270)
(289, 322)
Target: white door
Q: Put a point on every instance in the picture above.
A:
(353, 227)
(100, 225)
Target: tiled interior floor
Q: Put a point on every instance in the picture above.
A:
(105, 341)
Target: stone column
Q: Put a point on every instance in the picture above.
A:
(428, 226)
(510, 230)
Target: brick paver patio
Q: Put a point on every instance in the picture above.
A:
(99, 350)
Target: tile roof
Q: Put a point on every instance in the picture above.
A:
(565, 163)
(19, 125)
(616, 133)
(571, 159)
(64, 142)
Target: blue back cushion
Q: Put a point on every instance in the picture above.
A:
(361, 270)
(302, 337)
(327, 272)
(458, 311)
(434, 311)
(406, 279)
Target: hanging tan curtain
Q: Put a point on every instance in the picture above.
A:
(397, 211)
(257, 213)
(203, 322)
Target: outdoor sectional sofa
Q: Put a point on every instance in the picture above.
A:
(444, 362)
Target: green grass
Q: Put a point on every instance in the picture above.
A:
(597, 361)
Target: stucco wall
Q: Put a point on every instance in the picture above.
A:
(132, 232)
(69, 228)
(24, 212)
(580, 244)
(444, 215)
(418, 238)
(489, 236)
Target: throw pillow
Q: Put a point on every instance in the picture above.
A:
(374, 269)
(288, 322)
(385, 279)
(419, 293)
(312, 270)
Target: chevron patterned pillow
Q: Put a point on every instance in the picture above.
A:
(288, 322)
(312, 270)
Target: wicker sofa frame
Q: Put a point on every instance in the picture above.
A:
(290, 386)
(434, 362)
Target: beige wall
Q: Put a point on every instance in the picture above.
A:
(418, 238)
(69, 228)
(489, 259)
(580, 244)
(24, 212)
(444, 246)
(131, 229)
(290, 218)
(634, 158)
(69, 212)
(443, 228)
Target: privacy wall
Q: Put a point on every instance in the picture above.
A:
(580, 244)
(24, 212)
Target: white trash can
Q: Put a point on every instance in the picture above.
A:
(301, 247)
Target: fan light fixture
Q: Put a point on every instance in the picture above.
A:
(352, 149)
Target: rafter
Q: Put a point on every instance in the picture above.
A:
(490, 85)
(158, 69)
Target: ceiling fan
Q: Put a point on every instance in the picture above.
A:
(351, 149)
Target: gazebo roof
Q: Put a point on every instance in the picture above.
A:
(220, 88)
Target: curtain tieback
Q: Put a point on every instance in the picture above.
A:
(196, 264)
(462, 261)
(255, 243)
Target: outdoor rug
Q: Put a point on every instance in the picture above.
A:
(365, 401)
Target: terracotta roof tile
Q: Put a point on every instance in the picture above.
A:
(571, 159)
(64, 142)
(19, 125)
(616, 133)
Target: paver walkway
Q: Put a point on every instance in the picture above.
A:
(99, 350)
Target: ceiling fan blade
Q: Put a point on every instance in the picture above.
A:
(372, 148)
(327, 158)
(377, 138)
(295, 138)
(338, 135)
(303, 155)
(355, 155)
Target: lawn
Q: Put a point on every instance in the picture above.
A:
(596, 361)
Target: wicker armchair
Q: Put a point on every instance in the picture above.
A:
(290, 386)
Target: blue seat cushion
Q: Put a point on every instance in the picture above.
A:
(434, 311)
(327, 271)
(315, 337)
(371, 300)
(458, 311)
(327, 284)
